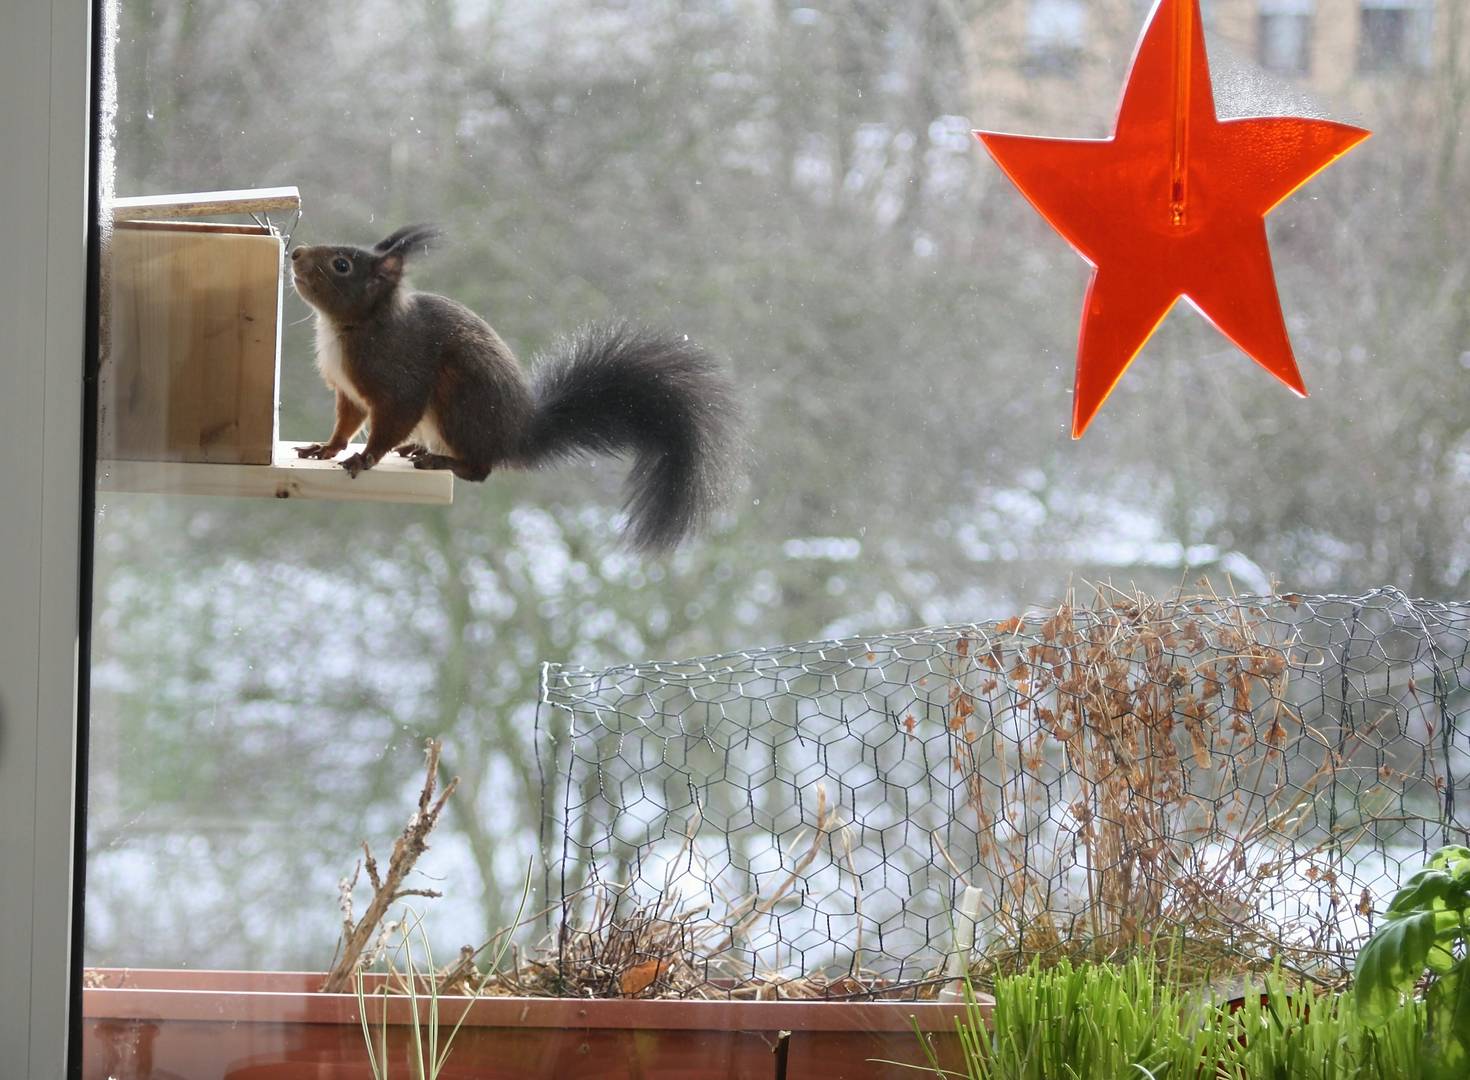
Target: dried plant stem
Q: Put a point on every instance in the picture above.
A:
(388, 889)
(669, 948)
(755, 906)
(1161, 727)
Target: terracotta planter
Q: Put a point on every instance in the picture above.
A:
(232, 1025)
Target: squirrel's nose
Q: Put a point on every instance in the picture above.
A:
(296, 253)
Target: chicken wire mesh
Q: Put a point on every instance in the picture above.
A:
(1251, 776)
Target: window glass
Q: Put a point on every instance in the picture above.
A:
(1284, 32)
(1395, 34)
(795, 188)
(1055, 33)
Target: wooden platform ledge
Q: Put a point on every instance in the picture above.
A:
(287, 477)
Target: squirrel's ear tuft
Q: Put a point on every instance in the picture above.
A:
(409, 241)
(389, 266)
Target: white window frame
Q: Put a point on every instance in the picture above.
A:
(45, 79)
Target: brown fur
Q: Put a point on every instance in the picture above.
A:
(434, 381)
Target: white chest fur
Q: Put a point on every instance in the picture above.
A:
(333, 368)
(330, 362)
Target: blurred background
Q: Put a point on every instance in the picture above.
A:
(795, 187)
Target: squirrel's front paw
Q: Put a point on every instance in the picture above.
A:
(357, 463)
(319, 451)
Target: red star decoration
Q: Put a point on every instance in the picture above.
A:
(1172, 205)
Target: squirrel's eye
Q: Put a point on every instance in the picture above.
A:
(341, 265)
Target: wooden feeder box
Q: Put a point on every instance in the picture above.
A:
(189, 388)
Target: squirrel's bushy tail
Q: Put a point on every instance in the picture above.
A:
(617, 389)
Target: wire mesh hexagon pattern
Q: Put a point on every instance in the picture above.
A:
(1242, 779)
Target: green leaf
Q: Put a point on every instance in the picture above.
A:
(1447, 1036)
(1424, 891)
(1440, 960)
(1448, 855)
(1392, 961)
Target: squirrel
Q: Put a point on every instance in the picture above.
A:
(436, 383)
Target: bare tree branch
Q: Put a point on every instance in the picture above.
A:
(411, 843)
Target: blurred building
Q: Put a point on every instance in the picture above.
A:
(1345, 47)
(1349, 54)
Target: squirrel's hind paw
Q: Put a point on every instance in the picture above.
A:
(318, 451)
(357, 463)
